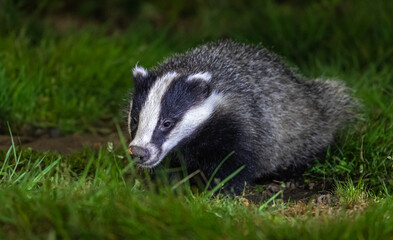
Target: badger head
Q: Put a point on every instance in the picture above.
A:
(165, 110)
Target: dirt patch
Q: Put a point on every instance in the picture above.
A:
(292, 191)
(63, 144)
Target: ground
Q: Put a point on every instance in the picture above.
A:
(62, 144)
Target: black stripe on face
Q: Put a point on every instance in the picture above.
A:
(141, 91)
(180, 97)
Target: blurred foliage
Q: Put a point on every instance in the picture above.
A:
(303, 30)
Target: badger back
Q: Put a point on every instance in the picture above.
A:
(165, 109)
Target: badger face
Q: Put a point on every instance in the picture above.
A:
(165, 110)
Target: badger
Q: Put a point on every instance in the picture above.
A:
(227, 97)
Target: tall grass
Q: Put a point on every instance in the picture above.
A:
(49, 196)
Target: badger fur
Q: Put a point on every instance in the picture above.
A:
(228, 97)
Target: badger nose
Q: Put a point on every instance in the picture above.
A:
(141, 154)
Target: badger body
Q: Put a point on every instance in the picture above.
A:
(228, 97)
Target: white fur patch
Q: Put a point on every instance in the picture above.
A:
(191, 120)
(204, 76)
(149, 114)
(139, 71)
(129, 118)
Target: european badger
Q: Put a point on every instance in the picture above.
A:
(226, 96)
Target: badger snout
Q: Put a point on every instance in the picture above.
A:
(140, 154)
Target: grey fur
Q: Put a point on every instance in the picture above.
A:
(287, 119)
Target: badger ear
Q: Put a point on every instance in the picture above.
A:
(139, 73)
(202, 80)
(201, 76)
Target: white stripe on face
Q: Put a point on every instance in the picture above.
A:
(129, 118)
(150, 112)
(193, 118)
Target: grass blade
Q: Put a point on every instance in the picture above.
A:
(185, 179)
(7, 155)
(268, 201)
(216, 170)
(216, 188)
(43, 173)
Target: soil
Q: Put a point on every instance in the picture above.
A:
(293, 190)
(62, 144)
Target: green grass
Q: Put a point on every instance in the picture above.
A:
(73, 74)
(69, 83)
(48, 196)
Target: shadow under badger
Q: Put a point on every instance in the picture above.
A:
(226, 96)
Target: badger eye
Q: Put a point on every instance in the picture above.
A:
(167, 123)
